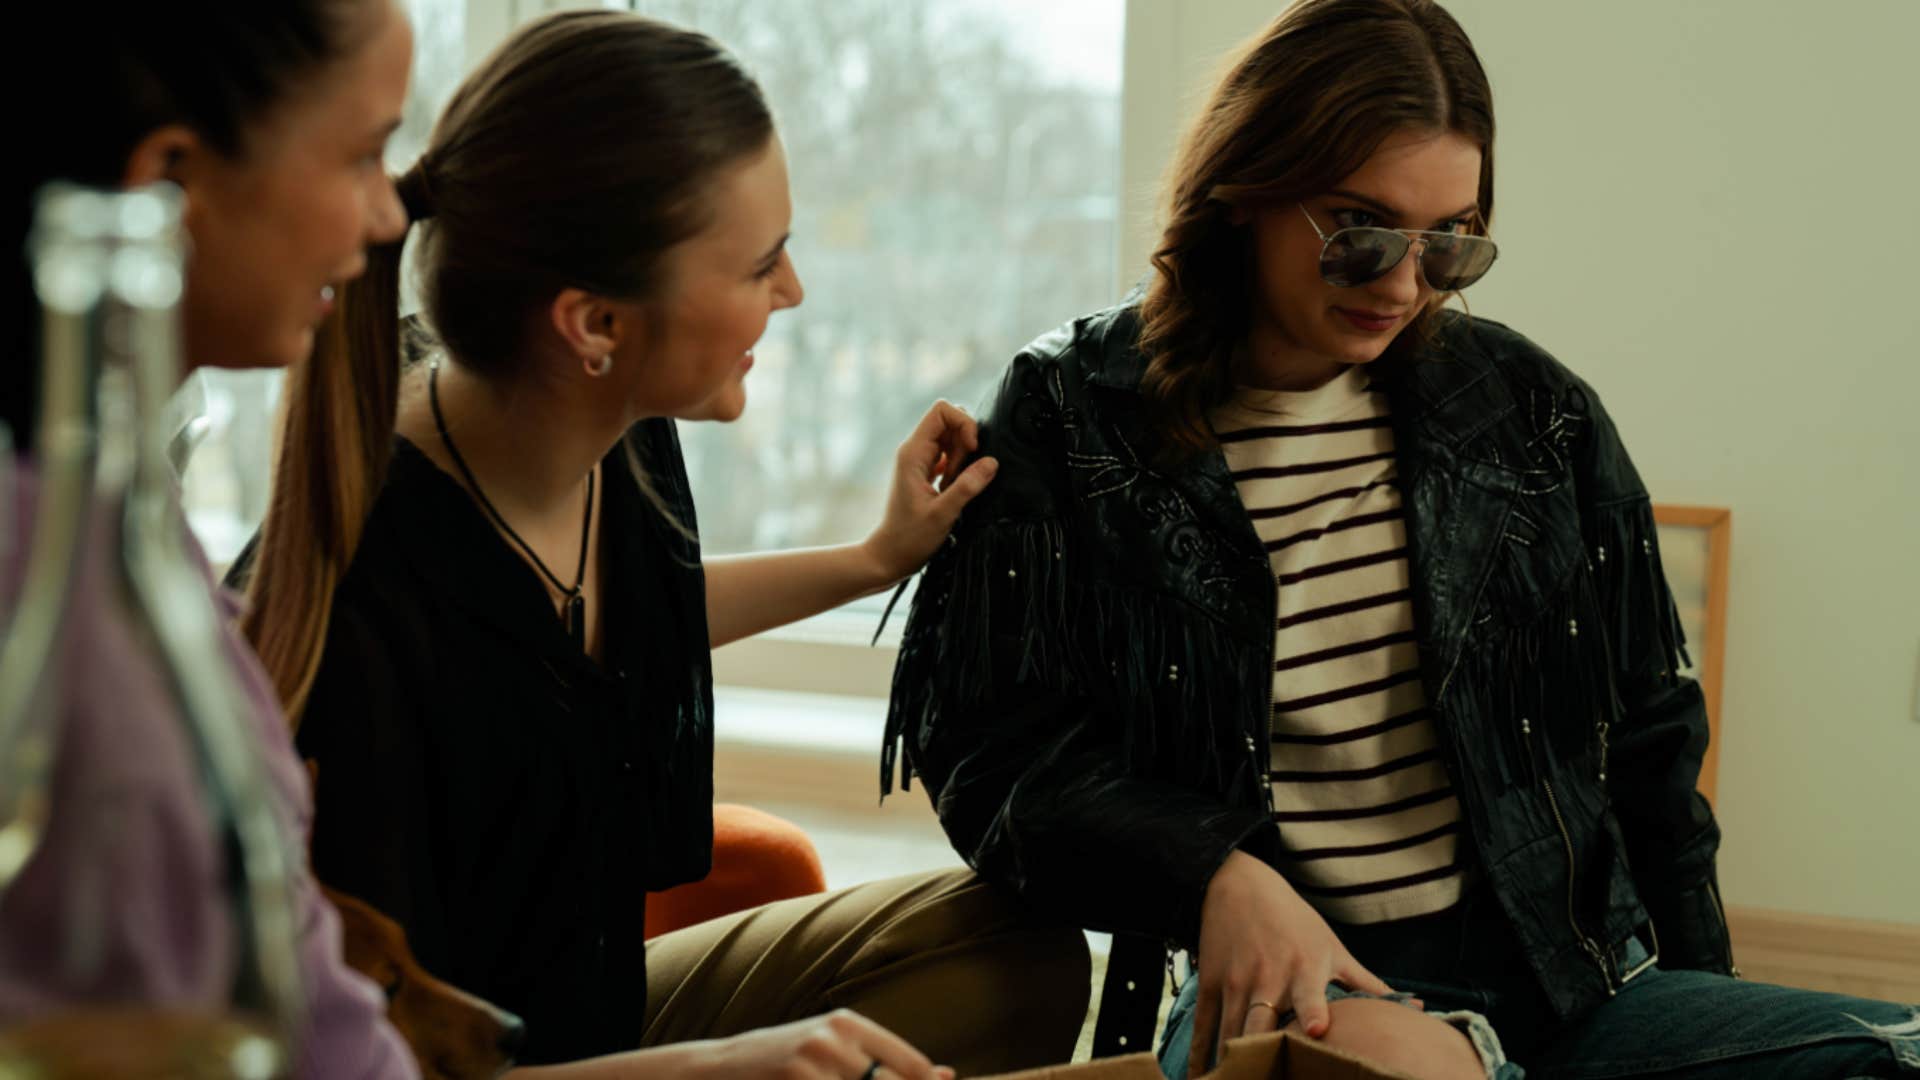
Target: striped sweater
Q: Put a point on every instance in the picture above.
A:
(1363, 804)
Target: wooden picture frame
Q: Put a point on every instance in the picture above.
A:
(1695, 549)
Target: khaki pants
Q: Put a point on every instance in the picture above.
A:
(942, 959)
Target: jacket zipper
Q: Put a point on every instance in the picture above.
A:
(1260, 772)
(1261, 766)
(1719, 908)
(1566, 841)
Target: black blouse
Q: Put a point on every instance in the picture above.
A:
(483, 781)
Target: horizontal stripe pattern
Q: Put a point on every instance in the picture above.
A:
(1268, 431)
(1316, 500)
(1360, 796)
(1364, 731)
(1381, 847)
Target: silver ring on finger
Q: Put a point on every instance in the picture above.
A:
(1264, 1005)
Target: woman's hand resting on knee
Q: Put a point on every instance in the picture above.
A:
(1263, 951)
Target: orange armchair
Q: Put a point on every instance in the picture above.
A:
(757, 859)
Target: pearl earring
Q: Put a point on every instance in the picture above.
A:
(598, 368)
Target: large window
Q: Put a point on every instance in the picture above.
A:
(955, 170)
(955, 182)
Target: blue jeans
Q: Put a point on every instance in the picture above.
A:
(1689, 1024)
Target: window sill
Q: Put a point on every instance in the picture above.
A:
(805, 661)
(814, 759)
(839, 725)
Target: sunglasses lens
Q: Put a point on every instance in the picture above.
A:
(1455, 262)
(1357, 256)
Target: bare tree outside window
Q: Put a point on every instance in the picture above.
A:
(954, 168)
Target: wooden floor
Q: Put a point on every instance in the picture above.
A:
(1846, 956)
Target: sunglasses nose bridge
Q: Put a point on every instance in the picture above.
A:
(1417, 243)
(1398, 253)
(1409, 257)
(1417, 247)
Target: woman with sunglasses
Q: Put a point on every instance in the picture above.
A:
(1322, 633)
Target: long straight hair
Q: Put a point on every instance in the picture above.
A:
(576, 156)
(1303, 104)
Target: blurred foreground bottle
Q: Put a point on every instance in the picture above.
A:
(108, 269)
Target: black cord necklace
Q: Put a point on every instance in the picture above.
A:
(574, 607)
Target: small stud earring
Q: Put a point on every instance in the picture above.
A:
(599, 368)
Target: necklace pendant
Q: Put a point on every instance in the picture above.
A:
(577, 619)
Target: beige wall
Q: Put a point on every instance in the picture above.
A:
(1711, 209)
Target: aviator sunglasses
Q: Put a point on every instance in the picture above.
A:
(1360, 254)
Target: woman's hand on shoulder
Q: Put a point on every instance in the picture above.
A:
(1263, 951)
(929, 490)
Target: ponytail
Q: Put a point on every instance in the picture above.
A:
(336, 439)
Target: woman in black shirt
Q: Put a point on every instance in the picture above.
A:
(494, 629)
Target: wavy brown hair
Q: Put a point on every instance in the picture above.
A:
(1302, 105)
(575, 156)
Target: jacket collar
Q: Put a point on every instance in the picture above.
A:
(1447, 392)
(1444, 398)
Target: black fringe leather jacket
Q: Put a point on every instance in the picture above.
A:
(1084, 680)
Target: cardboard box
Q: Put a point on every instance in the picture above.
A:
(1278, 1056)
